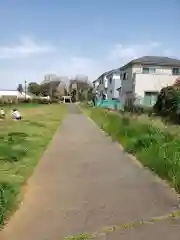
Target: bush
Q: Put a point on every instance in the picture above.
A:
(156, 149)
(138, 109)
(167, 104)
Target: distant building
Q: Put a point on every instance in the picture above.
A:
(54, 85)
(107, 83)
(13, 94)
(49, 78)
(54, 78)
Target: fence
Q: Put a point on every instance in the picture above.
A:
(112, 104)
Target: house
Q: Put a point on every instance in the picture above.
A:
(143, 78)
(100, 85)
(54, 85)
(107, 83)
(113, 81)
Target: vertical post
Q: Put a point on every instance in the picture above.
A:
(25, 88)
(50, 90)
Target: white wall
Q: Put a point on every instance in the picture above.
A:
(152, 82)
(116, 83)
(127, 85)
(145, 82)
(159, 70)
(14, 94)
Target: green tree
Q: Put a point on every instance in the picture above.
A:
(34, 88)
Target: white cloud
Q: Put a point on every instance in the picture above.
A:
(26, 47)
(123, 52)
(30, 60)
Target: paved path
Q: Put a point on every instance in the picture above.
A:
(84, 182)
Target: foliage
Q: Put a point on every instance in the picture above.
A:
(80, 90)
(177, 82)
(34, 88)
(157, 149)
(138, 109)
(21, 145)
(167, 104)
(54, 89)
(20, 88)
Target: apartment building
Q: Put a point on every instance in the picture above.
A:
(107, 84)
(143, 78)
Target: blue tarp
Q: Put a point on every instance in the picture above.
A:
(113, 104)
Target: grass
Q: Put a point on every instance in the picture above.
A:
(21, 145)
(156, 147)
(82, 236)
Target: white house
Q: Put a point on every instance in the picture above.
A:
(113, 82)
(143, 78)
(107, 84)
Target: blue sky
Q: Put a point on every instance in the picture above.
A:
(70, 37)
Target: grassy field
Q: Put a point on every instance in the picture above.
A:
(156, 147)
(21, 145)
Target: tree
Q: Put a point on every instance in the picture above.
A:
(80, 89)
(168, 103)
(20, 88)
(34, 88)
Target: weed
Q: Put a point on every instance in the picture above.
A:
(82, 236)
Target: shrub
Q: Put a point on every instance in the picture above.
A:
(138, 109)
(167, 104)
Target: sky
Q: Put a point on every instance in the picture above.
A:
(89, 37)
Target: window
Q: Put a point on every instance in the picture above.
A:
(150, 98)
(110, 80)
(125, 76)
(149, 70)
(176, 71)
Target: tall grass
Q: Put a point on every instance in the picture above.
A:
(21, 145)
(155, 147)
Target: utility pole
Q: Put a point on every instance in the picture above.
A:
(25, 88)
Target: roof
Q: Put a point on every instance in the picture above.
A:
(113, 71)
(13, 93)
(103, 74)
(107, 73)
(154, 60)
(8, 92)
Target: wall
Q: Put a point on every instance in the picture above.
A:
(127, 85)
(137, 83)
(116, 83)
(159, 70)
(152, 82)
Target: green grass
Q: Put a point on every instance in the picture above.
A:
(21, 145)
(155, 147)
